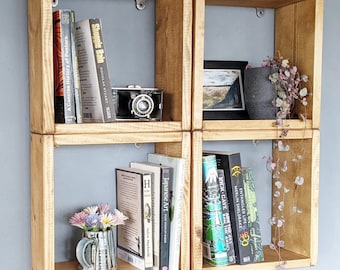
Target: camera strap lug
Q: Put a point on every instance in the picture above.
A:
(140, 4)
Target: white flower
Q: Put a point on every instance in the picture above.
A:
(278, 184)
(277, 194)
(285, 63)
(304, 78)
(303, 92)
(281, 205)
(297, 210)
(299, 180)
(91, 210)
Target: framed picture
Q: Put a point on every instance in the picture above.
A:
(223, 96)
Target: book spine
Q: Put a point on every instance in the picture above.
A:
(165, 218)
(226, 217)
(176, 204)
(76, 78)
(63, 78)
(147, 215)
(231, 163)
(214, 244)
(131, 258)
(253, 217)
(176, 201)
(102, 70)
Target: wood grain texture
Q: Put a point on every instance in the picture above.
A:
(41, 66)
(298, 37)
(252, 3)
(174, 58)
(198, 60)
(42, 202)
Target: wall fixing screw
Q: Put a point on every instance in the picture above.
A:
(259, 12)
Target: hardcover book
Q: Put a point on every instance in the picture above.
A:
(134, 199)
(253, 217)
(226, 217)
(176, 202)
(214, 244)
(162, 179)
(97, 99)
(63, 68)
(230, 162)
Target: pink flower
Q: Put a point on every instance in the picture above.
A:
(103, 208)
(119, 218)
(79, 219)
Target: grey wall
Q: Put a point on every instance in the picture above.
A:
(131, 61)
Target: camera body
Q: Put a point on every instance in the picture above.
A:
(133, 103)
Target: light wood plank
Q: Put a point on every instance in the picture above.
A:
(253, 3)
(196, 201)
(41, 66)
(198, 60)
(42, 202)
(117, 138)
(118, 127)
(173, 63)
(315, 197)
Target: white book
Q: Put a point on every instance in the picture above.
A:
(134, 199)
(160, 209)
(177, 191)
(96, 92)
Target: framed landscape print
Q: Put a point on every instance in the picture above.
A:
(223, 96)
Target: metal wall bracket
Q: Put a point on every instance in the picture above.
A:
(259, 12)
(54, 3)
(140, 4)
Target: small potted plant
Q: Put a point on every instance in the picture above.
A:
(284, 84)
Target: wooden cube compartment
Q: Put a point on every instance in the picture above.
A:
(298, 36)
(173, 57)
(301, 230)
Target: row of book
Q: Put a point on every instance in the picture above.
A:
(82, 87)
(231, 228)
(151, 195)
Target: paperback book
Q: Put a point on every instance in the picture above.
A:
(134, 199)
(162, 180)
(97, 99)
(226, 217)
(253, 217)
(214, 244)
(230, 162)
(176, 203)
(64, 105)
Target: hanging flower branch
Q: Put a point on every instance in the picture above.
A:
(281, 182)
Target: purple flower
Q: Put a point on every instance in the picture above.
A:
(92, 222)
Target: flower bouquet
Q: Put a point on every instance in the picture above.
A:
(97, 218)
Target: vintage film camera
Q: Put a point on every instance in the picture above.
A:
(138, 103)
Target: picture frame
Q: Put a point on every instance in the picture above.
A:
(223, 96)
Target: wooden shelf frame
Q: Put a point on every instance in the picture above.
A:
(298, 36)
(173, 23)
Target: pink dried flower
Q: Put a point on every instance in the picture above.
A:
(79, 219)
(287, 81)
(97, 218)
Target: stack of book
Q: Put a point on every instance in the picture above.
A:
(231, 229)
(82, 87)
(151, 195)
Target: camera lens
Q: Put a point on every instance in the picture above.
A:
(142, 106)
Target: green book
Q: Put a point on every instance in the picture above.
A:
(253, 218)
(214, 244)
